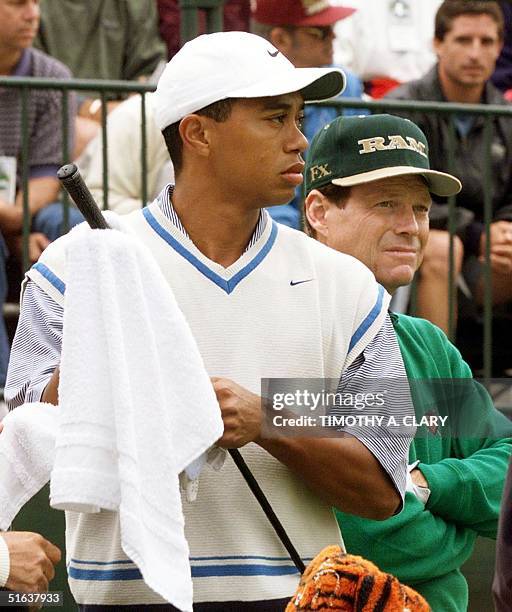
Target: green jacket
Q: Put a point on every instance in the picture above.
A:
(425, 546)
(118, 39)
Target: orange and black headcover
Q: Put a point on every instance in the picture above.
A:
(346, 583)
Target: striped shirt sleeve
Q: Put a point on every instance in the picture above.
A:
(380, 369)
(36, 347)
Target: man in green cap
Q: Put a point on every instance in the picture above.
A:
(368, 185)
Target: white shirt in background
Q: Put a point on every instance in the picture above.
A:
(387, 38)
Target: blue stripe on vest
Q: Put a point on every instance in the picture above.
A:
(104, 575)
(50, 276)
(208, 571)
(368, 321)
(259, 557)
(198, 571)
(119, 562)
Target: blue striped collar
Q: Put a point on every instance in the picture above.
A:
(159, 216)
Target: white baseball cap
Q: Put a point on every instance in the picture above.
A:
(224, 65)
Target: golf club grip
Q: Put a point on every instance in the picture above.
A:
(72, 181)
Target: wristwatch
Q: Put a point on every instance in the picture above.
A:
(422, 493)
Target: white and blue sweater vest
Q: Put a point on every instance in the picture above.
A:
(288, 308)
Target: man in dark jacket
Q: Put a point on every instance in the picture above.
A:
(468, 40)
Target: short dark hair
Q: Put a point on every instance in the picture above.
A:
(450, 9)
(218, 111)
(336, 194)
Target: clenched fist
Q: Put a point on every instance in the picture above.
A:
(32, 560)
(241, 412)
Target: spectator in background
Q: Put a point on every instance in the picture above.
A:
(468, 40)
(387, 43)
(18, 26)
(236, 17)
(304, 33)
(117, 39)
(124, 158)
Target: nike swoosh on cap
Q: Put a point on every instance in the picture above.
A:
(308, 280)
(275, 54)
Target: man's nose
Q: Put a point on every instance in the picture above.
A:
(31, 11)
(407, 223)
(475, 49)
(297, 141)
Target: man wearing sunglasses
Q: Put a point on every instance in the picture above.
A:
(303, 31)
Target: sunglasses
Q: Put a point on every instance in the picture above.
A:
(319, 32)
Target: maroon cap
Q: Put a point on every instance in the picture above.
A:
(298, 12)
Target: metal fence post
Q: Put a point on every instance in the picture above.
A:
(488, 195)
(452, 286)
(25, 145)
(189, 17)
(104, 136)
(65, 154)
(143, 151)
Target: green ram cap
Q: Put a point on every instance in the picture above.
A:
(354, 150)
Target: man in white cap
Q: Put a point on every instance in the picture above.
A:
(262, 301)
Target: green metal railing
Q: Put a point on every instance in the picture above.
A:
(24, 85)
(189, 17)
(104, 88)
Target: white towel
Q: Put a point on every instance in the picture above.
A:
(137, 404)
(27, 450)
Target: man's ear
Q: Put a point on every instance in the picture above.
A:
(194, 133)
(315, 209)
(502, 44)
(281, 39)
(436, 45)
